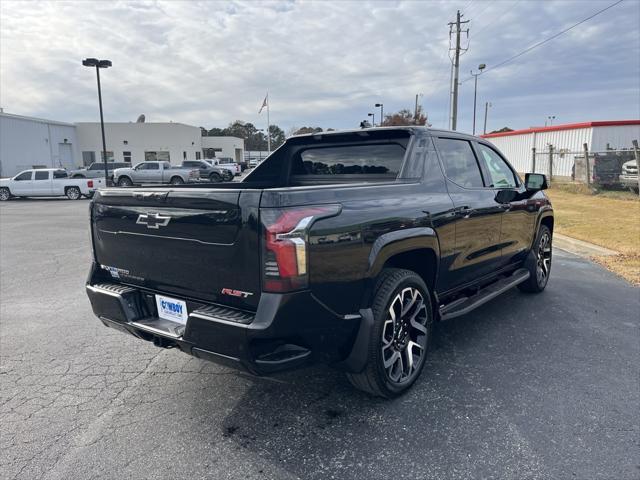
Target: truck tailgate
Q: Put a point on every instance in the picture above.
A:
(201, 244)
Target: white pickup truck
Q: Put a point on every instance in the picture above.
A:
(48, 182)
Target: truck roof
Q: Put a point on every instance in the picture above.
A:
(406, 128)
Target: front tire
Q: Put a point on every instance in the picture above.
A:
(5, 194)
(402, 329)
(215, 178)
(176, 181)
(124, 182)
(538, 262)
(73, 193)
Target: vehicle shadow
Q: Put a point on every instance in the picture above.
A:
(313, 424)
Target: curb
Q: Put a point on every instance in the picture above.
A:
(580, 247)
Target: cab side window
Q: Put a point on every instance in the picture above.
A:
(501, 176)
(42, 175)
(459, 162)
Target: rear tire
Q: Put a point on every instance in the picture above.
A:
(124, 182)
(400, 337)
(538, 262)
(5, 194)
(215, 177)
(73, 193)
(176, 181)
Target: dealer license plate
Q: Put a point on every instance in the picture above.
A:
(172, 309)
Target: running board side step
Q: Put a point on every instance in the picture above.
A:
(464, 305)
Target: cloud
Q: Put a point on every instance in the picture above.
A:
(324, 63)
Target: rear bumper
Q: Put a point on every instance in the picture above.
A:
(286, 332)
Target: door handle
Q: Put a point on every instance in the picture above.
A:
(505, 206)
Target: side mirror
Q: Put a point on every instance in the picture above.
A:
(535, 181)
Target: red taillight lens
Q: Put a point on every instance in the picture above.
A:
(90, 183)
(284, 252)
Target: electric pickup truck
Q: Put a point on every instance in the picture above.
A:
(342, 248)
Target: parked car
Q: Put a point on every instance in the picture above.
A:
(209, 172)
(629, 175)
(47, 182)
(228, 162)
(154, 172)
(96, 170)
(342, 248)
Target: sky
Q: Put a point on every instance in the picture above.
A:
(323, 63)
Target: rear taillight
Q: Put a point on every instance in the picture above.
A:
(284, 247)
(90, 183)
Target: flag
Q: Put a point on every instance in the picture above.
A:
(264, 104)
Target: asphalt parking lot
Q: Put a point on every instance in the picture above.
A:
(526, 387)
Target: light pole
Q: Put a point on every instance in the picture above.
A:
(486, 109)
(481, 67)
(550, 119)
(373, 119)
(94, 62)
(415, 111)
(381, 112)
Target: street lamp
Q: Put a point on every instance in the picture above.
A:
(381, 112)
(373, 119)
(550, 119)
(94, 62)
(481, 67)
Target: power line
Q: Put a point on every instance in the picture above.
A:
(549, 39)
(516, 2)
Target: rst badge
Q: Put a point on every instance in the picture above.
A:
(235, 293)
(153, 220)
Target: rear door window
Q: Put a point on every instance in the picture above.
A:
(41, 175)
(383, 161)
(459, 162)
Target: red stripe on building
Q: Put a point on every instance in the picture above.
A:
(567, 126)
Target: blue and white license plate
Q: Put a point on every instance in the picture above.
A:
(172, 309)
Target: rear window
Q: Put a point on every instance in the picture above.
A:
(60, 174)
(381, 161)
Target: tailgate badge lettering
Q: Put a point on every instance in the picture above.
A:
(153, 220)
(235, 293)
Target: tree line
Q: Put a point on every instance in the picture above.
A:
(256, 139)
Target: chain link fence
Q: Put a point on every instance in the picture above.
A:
(605, 169)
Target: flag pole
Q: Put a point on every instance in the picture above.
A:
(268, 125)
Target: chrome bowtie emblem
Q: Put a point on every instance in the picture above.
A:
(153, 220)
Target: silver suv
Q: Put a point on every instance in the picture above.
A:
(629, 176)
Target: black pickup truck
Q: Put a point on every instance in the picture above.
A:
(341, 248)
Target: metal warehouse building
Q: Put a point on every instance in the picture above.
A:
(566, 141)
(27, 142)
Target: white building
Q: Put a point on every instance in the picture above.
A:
(26, 142)
(138, 142)
(567, 141)
(231, 147)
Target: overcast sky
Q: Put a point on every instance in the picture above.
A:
(324, 63)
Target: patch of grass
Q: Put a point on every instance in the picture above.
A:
(603, 219)
(581, 188)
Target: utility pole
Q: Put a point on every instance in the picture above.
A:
(486, 109)
(456, 65)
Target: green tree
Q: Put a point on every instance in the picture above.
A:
(405, 117)
(303, 130)
(216, 132)
(277, 136)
